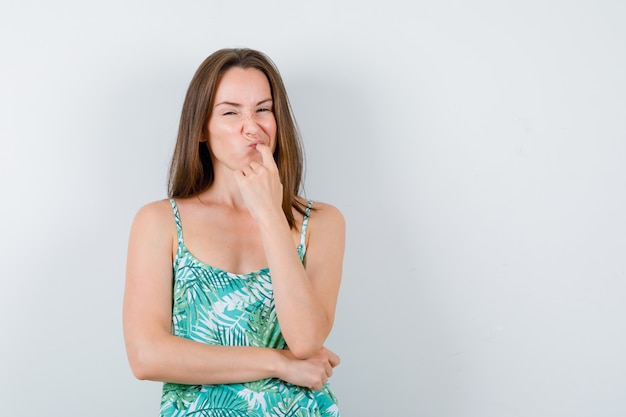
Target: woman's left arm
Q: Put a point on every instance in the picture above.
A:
(305, 297)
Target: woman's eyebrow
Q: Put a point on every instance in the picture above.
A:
(233, 104)
(228, 103)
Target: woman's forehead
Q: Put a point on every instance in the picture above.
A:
(242, 85)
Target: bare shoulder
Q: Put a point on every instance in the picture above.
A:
(326, 237)
(326, 217)
(325, 211)
(154, 210)
(156, 216)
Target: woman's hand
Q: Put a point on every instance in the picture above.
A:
(312, 372)
(260, 186)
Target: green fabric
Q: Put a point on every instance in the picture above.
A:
(217, 307)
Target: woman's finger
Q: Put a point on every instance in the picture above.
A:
(266, 154)
(256, 166)
(334, 359)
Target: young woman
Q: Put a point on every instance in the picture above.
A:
(232, 282)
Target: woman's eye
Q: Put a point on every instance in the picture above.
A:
(229, 113)
(264, 109)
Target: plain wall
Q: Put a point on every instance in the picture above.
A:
(476, 148)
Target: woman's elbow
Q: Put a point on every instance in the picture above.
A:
(305, 350)
(138, 368)
(304, 346)
(142, 364)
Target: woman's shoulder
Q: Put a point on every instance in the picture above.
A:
(326, 214)
(155, 213)
(156, 208)
(324, 207)
(326, 232)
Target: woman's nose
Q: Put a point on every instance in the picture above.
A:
(250, 127)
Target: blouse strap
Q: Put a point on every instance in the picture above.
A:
(179, 227)
(305, 222)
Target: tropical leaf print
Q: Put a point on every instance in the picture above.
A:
(177, 398)
(217, 307)
(218, 402)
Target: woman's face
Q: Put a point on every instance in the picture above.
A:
(242, 116)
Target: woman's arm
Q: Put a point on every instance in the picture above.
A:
(305, 298)
(155, 354)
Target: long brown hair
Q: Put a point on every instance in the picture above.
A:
(191, 170)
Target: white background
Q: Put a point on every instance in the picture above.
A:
(476, 148)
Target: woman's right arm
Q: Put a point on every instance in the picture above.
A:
(155, 354)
